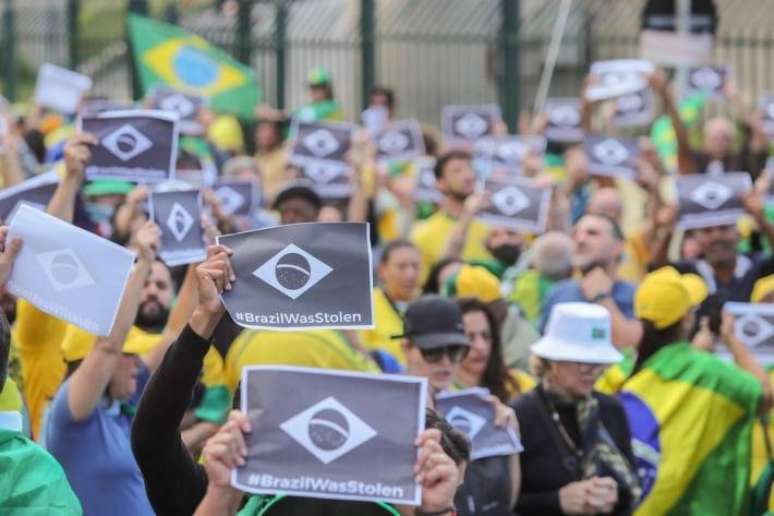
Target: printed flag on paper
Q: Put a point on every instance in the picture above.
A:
(691, 417)
(166, 54)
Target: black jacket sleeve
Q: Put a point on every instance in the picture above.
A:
(175, 483)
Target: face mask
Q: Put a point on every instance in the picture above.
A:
(99, 212)
(507, 253)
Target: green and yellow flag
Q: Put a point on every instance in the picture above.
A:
(166, 54)
(691, 416)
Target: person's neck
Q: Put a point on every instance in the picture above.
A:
(557, 390)
(467, 378)
(452, 206)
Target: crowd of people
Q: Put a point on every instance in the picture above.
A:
(599, 340)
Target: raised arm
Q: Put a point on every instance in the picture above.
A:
(89, 381)
(77, 154)
(685, 161)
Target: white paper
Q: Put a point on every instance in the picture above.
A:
(60, 89)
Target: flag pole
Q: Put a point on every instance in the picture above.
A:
(552, 55)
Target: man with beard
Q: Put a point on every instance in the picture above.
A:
(452, 230)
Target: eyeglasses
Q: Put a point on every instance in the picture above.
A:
(456, 353)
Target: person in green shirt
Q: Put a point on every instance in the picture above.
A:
(322, 105)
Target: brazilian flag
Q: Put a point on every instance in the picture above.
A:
(166, 54)
(691, 416)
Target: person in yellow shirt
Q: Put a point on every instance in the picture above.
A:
(452, 230)
(271, 156)
(399, 269)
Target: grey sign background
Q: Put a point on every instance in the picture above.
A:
(563, 132)
(487, 151)
(37, 191)
(49, 270)
(695, 85)
(410, 130)
(425, 189)
(531, 219)
(157, 164)
(490, 440)
(191, 248)
(634, 109)
(694, 215)
(754, 326)
(387, 458)
(597, 167)
(330, 172)
(247, 189)
(490, 113)
(346, 289)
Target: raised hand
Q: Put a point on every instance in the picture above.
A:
(148, 241)
(77, 153)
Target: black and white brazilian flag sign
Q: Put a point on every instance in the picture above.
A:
(611, 157)
(301, 276)
(506, 152)
(707, 201)
(754, 326)
(766, 105)
(178, 214)
(563, 120)
(463, 125)
(425, 188)
(469, 412)
(516, 203)
(36, 192)
(611, 79)
(331, 434)
(320, 150)
(708, 79)
(237, 197)
(634, 109)
(139, 146)
(400, 141)
(184, 105)
(68, 272)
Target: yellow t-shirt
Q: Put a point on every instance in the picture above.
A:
(634, 259)
(272, 167)
(432, 236)
(10, 397)
(37, 338)
(388, 322)
(326, 349)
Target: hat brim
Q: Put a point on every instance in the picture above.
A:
(559, 350)
(438, 340)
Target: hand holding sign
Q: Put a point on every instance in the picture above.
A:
(77, 153)
(148, 241)
(436, 472)
(8, 253)
(226, 449)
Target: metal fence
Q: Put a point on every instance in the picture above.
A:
(431, 52)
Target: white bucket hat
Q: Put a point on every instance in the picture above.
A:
(578, 332)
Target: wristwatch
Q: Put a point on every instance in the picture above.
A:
(600, 297)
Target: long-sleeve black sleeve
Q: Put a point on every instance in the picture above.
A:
(175, 483)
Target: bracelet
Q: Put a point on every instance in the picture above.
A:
(442, 512)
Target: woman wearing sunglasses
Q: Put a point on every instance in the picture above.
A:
(577, 455)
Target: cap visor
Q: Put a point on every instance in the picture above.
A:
(439, 340)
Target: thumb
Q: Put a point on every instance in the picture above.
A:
(11, 251)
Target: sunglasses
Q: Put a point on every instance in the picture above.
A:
(456, 353)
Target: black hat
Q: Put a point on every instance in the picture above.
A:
(434, 322)
(299, 188)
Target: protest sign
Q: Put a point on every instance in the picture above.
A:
(36, 191)
(60, 89)
(463, 125)
(424, 188)
(506, 152)
(708, 79)
(754, 327)
(68, 272)
(469, 412)
(563, 120)
(400, 141)
(139, 146)
(766, 105)
(516, 203)
(617, 77)
(634, 109)
(707, 201)
(611, 157)
(184, 105)
(320, 150)
(301, 276)
(662, 42)
(320, 434)
(178, 214)
(237, 197)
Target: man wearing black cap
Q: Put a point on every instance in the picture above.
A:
(434, 341)
(297, 202)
